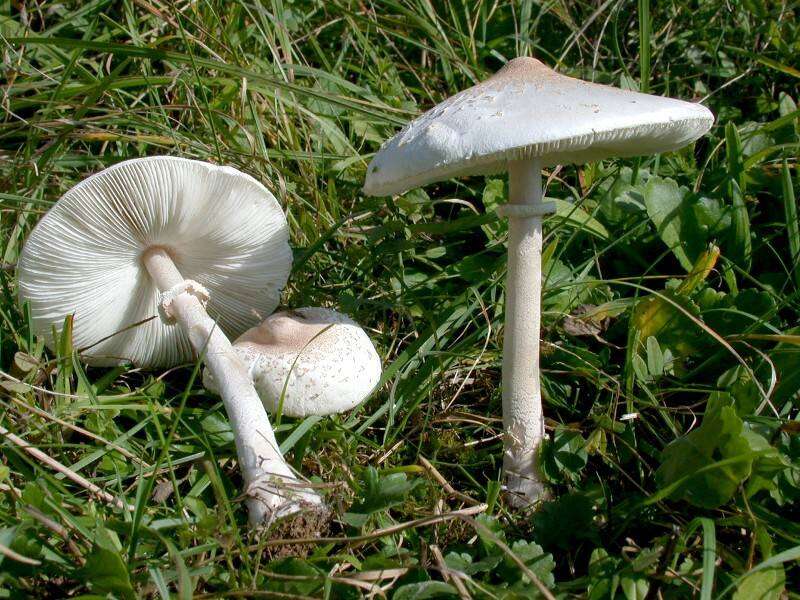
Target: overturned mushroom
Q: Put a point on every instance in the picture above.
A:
(308, 361)
(136, 253)
(521, 119)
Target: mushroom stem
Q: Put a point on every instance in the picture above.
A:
(523, 420)
(272, 489)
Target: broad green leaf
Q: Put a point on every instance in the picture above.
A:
(540, 563)
(766, 466)
(488, 543)
(767, 584)
(741, 389)
(634, 588)
(720, 436)
(494, 194)
(378, 493)
(603, 575)
(464, 563)
(712, 216)
(425, 589)
(563, 457)
(658, 317)
(106, 572)
(217, 428)
(623, 202)
(672, 213)
(729, 314)
(640, 369)
(655, 358)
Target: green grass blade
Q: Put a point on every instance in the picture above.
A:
(792, 223)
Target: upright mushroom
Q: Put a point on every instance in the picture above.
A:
(521, 119)
(308, 361)
(136, 252)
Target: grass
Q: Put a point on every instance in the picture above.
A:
(670, 340)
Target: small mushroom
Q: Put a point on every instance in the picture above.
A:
(308, 361)
(137, 253)
(521, 119)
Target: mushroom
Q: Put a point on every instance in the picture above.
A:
(136, 253)
(308, 361)
(521, 119)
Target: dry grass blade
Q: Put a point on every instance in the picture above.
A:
(449, 575)
(66, 471)
(9, 553)
(58, 529)
(444, 483)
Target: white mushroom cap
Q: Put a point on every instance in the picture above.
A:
(527, 110)
(222, 228)
(325, 362)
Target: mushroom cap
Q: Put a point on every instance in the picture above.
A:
(221, 227)
(325, 362)
(528, 110)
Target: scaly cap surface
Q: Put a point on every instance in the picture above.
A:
(322, 359)
(527, 110)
